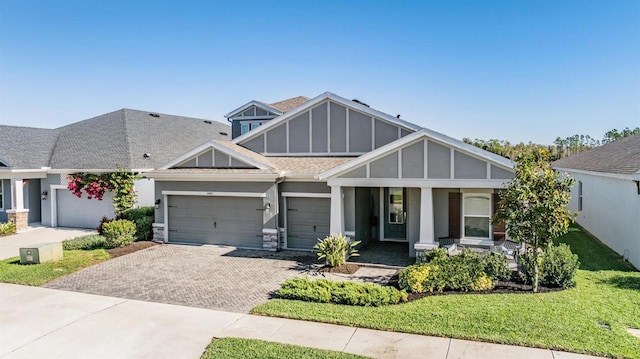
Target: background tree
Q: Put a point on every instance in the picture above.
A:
(534, 204)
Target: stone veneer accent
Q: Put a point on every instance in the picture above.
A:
(270, 239)
(20, 218)
(158, 232)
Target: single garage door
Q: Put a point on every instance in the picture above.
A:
(81, 212)
(307, 221)
(230, 221)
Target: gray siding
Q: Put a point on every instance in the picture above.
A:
(319, 128)
(255, 144)
(206, 159)
(299, 134)
(467, 167)
(385, 167)
(385, 133)
(221, 159)
(404, 132)
(360, 172)
(349, 208)
(188, 164)
(45, 185)
(413, 161)
(499, 173)
(338, 128)
(359, 130)
(277, 139)
(439, 161)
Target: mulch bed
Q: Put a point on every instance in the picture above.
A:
(500, 288)
(347, 268)
(133, 247)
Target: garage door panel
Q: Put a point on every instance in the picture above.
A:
(307, 221)
(216, 220)
(75, 212)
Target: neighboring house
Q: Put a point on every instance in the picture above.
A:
(329, 165)
(607, 194)
(35, 162)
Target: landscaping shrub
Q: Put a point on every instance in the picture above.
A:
(347, 293)
(434, 254)
(143, 218)
(558, 266)
(119, 233)
(104, 220)
(463, 272)
(89, 242)
(496, 266)
(336, 249)
(7, 229)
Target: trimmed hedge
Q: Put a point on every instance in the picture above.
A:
(143, 218)
(89, 242)
(119, 233)
(343, 292)
(558, 266)
(465, 272)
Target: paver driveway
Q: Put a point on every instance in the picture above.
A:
(211, 277)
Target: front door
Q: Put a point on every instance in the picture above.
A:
(395, 208)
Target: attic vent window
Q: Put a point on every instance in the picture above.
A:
(207, 122)
(224, 133)
(360, 102)
(154, 115)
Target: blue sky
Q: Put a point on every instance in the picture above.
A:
(515, 70)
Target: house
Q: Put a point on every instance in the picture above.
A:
(34, 162)
(328, 165)
(607, 194)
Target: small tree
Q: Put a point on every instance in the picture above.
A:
(534, 205)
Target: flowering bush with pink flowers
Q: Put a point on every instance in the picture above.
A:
(95, 185)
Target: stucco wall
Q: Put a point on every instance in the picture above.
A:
(145, 189)
(610, 211)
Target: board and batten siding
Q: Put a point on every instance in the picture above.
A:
(327, 129)
(427, 159)
(213, 159)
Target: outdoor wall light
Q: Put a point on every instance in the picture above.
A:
(44, 195)
(267, 206)
(157, 203)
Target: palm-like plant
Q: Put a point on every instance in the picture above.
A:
(336, 249)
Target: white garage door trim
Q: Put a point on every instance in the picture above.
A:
(166, 194)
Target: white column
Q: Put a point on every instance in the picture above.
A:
(337, 211)
(17, 194)
(427, 230)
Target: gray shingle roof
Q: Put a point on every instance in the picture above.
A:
(620, 157)
(118, 138)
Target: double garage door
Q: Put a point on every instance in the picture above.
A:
(232, 221)
(75, 212)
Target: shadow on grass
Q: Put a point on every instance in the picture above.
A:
(624, 282)
(594, 255)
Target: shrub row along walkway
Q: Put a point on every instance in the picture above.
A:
(212, 277)
(40, 322)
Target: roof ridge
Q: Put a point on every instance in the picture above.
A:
(126, 140)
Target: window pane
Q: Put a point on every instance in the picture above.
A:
(476, 227)
(244, 128)
(477, 205)
(396, 206)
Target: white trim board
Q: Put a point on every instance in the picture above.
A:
(305, 194)
(214, 194)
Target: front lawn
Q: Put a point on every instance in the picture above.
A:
(11, 271)
(249, 348)
(590, 318)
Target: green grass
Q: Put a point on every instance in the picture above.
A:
(225, 348)
(11, 271)
(607, 292)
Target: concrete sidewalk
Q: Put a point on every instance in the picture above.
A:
(47, 323)
(10, 245)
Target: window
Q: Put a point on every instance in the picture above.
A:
(579, 195)
(248, 126)
(477, 215)
(1, 196)
(396, 206)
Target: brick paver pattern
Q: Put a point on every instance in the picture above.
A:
(210, 277)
